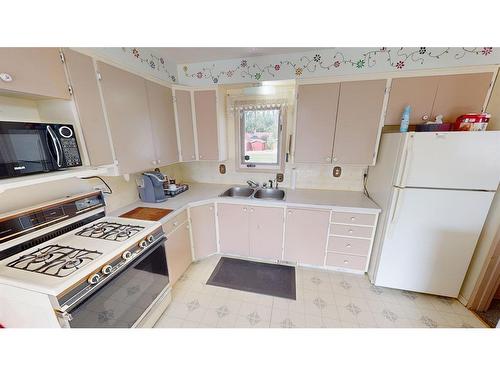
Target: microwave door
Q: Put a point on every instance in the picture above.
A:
(23, 150)
(55, 146)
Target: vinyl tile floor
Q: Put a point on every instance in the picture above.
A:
(325, 299)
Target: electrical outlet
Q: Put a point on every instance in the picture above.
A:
(337, 171)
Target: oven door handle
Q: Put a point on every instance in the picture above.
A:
(56, 143)
(67, 307)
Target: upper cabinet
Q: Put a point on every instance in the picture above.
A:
(205, 104)
(198, 116)
(461, 93)
(338, 122)
(419, 92)
(358, 121)
(161, 108)
(83, 80)
(448, 95)
(315, 124)
(126, 103)
(35, 71)
(184, 116)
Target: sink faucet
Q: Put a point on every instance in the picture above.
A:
(252, 184)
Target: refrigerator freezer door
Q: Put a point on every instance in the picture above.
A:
(429, 239)
(451, 160)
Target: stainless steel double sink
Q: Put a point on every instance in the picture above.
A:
(258, 193)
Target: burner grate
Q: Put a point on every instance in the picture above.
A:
(110, 231)
(55, 260)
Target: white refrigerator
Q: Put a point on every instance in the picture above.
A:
(435, 190)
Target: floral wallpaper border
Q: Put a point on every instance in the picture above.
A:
(334, 61)
(152, 61)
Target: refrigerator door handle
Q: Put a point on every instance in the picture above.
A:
(395, 211)
(407, 161)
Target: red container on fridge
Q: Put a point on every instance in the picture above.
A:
(472, 122)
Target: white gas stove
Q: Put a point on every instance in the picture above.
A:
(88, 267)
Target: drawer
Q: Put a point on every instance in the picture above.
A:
(352, 218)
(176, 221)
(351, 230)
(355, 246)
(353, 262)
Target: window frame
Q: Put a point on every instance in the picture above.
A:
(242, 165)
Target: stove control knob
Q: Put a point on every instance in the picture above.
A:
(127, 255)
(150, 238)
(143, 244)
(106, 270)
(94, 279)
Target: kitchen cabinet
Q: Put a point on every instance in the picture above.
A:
(461, 93)
(161, 110)
(358, 121)
(418, 92)
(83, 80)
(205, 104)
(266, 232)
(306, 234)
(35, 71)
(203, 230)
(233, 229)
(184, 112)
(126, 104)
(449, 95)
(315, 123)
(178, 248)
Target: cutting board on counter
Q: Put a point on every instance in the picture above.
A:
(147, 213)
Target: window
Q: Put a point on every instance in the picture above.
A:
(260, 138)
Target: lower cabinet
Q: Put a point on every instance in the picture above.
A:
(306, 235)
(203, 230)
(178, 248)
(251, 231)
(233, 229)
(266, 232)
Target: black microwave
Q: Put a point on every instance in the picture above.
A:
(28, 148)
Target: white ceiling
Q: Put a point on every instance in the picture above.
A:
(188, 55)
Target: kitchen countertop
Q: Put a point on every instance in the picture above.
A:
(200, 193)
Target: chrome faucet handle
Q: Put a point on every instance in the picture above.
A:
(264, 185)
(252, 184)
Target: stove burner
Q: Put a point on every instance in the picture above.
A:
(74, 263)
(55, 260)
(110, 231)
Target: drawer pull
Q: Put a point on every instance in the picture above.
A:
(346, 261)
(350, 231)
(289, 212)
(353, 218)
(175, 224)
(348, 245)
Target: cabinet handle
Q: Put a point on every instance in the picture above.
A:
(353, 218)
(328, 158)
(350, 231)
(187, 227)
(251, 210)
(201, 156)
(153, 162)
(335, 159)
(6, 77)
(158, 161)
(348, 245)
(290, 212)
(346, 261)
(175, 224)
(244, 209)
(210, 208)
(192, 156)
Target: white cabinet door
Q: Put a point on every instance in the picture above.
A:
(203, 230)
(431, 236)
(233, 229)
(454, 160)
(306, 232)
(266, 232)
(185, 124)
(205, 104)
(178, 248)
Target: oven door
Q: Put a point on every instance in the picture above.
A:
(123, 300)
(27, 148)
